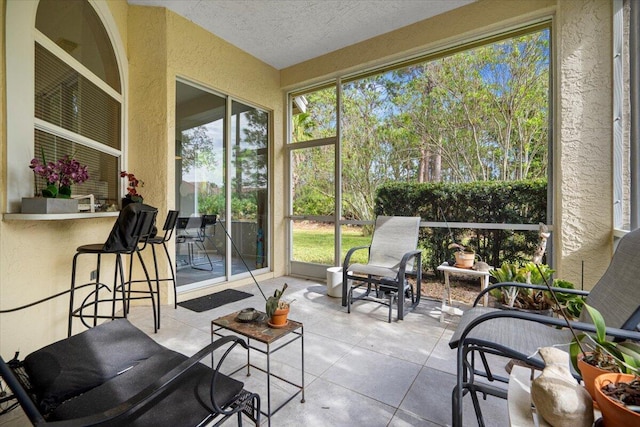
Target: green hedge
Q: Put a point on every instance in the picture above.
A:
(513, 202)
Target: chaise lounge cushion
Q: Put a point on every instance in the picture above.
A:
(187, 405)
(72, 366)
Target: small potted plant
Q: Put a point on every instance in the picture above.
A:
(618, 397)
(276, 309)
(59, 175)
(465, 256)
(132, 189)
(594, 355)
(618, 392)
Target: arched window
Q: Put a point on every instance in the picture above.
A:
(77, 93)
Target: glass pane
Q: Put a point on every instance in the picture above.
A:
(75, 27)
(200, 154)
(103, 168)
(314, 115)
(249, 193)
(66, 99)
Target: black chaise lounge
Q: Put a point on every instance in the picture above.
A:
(116, 375)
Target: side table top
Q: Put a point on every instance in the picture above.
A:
(451, 269)
(257, 330)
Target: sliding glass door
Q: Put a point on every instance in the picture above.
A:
(249, 207)
(221, 187)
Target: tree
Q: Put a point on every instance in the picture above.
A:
(476, 115)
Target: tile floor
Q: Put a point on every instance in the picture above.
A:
(359, 370)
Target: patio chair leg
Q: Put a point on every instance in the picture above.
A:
(476, 408)
(400, 297)
(457, 395)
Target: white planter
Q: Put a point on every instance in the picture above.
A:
(44, 205)
(334, 282)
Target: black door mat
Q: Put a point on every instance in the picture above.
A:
(212, 301)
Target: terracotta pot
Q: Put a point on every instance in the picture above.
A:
(279, 317)
(465, 259)
(589, 373)
(613, 412)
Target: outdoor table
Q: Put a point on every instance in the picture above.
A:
(258, 330)
(446, 295)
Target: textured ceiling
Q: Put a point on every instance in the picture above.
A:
(286, 32)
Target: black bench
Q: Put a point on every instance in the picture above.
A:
(114, 374)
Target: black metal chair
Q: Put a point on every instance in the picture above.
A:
(168, 229)
(393, 258)
(197, 240)
(147, 227)
(518, 335)
(134, 221)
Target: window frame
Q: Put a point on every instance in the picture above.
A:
(315, 270)
(21, 36)
(626, 144)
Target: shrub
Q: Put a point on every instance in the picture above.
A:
(514, 202)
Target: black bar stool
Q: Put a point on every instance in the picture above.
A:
(146, 230)
(123, 240)
(168, 228)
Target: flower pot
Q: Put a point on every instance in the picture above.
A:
(589, 373)
(613, 412)
(279, 318)
(128, 200)
(465, 259)
(48, 205)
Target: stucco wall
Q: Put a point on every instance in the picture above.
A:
(584, 133)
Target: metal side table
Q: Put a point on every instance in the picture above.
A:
(272, 340)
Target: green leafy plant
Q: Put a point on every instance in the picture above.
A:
(598, 351)
(533, 299)
(523, 298)
(571, 303)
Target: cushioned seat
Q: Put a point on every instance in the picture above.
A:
(186, 406)
(74, 365)
(116, 375)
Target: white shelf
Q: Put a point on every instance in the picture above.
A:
(57, 217)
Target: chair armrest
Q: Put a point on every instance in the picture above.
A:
(151, 392)
(405, 259)
(347, 258)
(622, 334)
(527, 286)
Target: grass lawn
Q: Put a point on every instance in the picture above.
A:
(315, 245)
